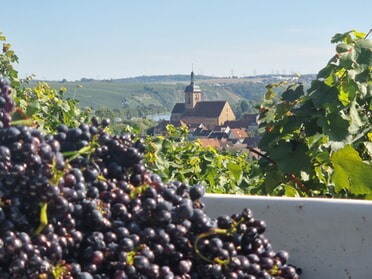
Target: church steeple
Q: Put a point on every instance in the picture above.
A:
(192, 94)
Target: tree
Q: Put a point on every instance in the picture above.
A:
(244, 106)
(318, 142)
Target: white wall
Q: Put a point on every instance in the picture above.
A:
(327, 238)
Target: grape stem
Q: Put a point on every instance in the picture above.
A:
(43, 219)
(74, 154)
(254, 150)
(204, 235)
(298, 183)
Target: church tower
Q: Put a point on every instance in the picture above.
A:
(192, 94)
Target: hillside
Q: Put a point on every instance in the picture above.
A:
(161, 90)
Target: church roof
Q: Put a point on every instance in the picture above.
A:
(178, 108)
(205, 109)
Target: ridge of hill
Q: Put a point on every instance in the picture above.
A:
(165, 90)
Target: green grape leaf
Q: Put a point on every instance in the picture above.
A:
(350, 172)
(272, 180)
(342, 47)
(341, 37)
(347, 92)
(292, 95)
(364, 55)
(348, 58)
(291, 157)
(325, 72)
(323, 95)
(334, 126)
(290, 191)
(356, 121)
(33, 107)
(235, 170)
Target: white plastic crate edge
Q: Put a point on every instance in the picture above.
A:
(327, 238)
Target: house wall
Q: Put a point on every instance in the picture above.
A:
(226, 115)
(210, 123)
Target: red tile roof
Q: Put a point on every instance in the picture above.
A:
(213, 142)
(239, 133)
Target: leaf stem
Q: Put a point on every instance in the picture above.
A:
(43, 219)
(254, 150)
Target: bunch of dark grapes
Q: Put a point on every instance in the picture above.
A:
(81, 204)
(6, 102)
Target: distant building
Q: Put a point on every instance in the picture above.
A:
(161, 128)
(195, 111)
(248, 121)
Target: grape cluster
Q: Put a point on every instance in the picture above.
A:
(81, 204)
(6, 102)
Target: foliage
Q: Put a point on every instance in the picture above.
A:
(48, 108)
(175, 158)
(7, 59)
(318, 142)
(243, 107)
(247, 90)
(41, 105)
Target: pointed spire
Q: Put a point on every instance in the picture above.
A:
(192, 78)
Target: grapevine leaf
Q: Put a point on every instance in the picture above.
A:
(356, 121)
(348, 58)
(347, 93)
(291, 157)
(364, 52)
(368, 146)
(292, 95)
(350, 172)
(359, 35)
(64, 106)
(272, 179)
(334, 126)
(323, 95)
(340, 37)
(340, 48)
(290, 191)
(33, 107)
(235, 170)
(325, 72)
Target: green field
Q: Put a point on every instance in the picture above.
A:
(116, 95)
(135, 93)
(113, 95)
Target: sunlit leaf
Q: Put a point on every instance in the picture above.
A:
(350, 172)
(290, 191)
(235, 170)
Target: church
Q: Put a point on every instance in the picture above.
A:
(194, 111)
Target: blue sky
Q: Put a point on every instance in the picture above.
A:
(104, 39)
